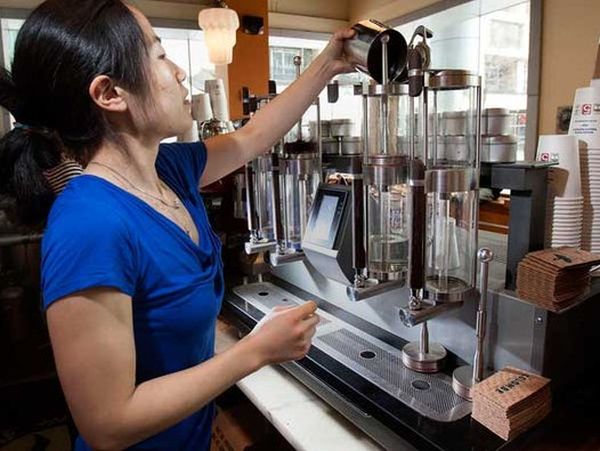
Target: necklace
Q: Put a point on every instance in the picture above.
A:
(176, 203)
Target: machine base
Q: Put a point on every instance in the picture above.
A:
(371, 289)
(463, 382)
(430, 362)
(277, 258)
(259, 246)
(362, 354)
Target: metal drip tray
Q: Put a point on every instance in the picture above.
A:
(381, 364)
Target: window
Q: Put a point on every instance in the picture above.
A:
(186, 48)
(282, 52)
(282, 62)
(505, 34)
(505, 74)
(492, 39)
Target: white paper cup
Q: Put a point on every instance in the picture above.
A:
(558, 225)
(567, 236)
(585, 120)
(567, 201)
(218, 99)
(191, 135)
(567, 239)
(568, 212)
(565, 178)
(201, 109)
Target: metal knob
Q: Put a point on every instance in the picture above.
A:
(485, 255)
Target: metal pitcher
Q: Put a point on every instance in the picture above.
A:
(364, 50)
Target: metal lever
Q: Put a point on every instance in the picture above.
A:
(421, 356)
(485, 256)
(422, 31)
(465, 377)
(298, 64)
(333, 92)
(416, 251)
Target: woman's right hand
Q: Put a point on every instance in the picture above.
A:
(285, 333)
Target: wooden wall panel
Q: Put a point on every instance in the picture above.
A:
(250, 66)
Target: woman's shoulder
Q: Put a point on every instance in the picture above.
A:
(86, 205)
(182, 163)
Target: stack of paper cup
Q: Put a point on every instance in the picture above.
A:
(564, 218)
(201, 109)
(191, 135)
(590, 184)
(218, 98)
(585, 125)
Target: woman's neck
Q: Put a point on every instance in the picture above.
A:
(134, 160)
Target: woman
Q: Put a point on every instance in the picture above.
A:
(132, 277)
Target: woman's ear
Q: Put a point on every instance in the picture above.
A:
(106, 95)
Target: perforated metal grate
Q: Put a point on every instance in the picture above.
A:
(429, 394)
(388, 369)
(267, 296)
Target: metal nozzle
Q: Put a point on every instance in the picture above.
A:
(411, 317)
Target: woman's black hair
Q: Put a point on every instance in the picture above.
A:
(61, 48)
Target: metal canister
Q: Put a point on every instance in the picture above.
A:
(364, 50)
(499, 149)
(452, 148)
(351, 145)
(495, 121)
(453, 123)
(330, 146)
(325, 129)
(341, 127)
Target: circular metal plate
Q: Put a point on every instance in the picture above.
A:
(458, 291)
(453, 79)
(393, 89)
(451, 180)
(462, 381)
(430, 362)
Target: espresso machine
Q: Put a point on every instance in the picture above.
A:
(280, 187)
(391, 252)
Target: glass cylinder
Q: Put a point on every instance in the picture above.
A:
(387, 238)
(262, 168)
(388, 235)
(451, 233)
(299, 181)
(454, 118)
(386, 122)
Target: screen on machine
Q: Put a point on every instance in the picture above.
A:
(324, 220)
(326, 217)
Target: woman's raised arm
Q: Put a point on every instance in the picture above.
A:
(228, 152)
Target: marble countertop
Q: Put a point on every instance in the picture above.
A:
(307, 422)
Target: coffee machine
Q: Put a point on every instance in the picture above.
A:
(280, 187)
(393, 255)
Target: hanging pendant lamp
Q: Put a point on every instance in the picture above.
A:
(219, 24)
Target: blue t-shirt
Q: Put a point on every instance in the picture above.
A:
(99, 235)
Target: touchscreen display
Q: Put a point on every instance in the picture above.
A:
(325, 217)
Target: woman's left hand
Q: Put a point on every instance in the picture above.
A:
(334, 55)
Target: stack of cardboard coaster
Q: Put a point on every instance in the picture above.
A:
(511, 401)
(555, 278)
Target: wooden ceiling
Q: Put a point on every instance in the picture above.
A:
(330, 9)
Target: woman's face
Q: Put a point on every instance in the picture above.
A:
(166, 111)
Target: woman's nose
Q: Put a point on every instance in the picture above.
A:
(180, 74)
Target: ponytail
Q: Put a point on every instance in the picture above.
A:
(25, 152)
(62, 46)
